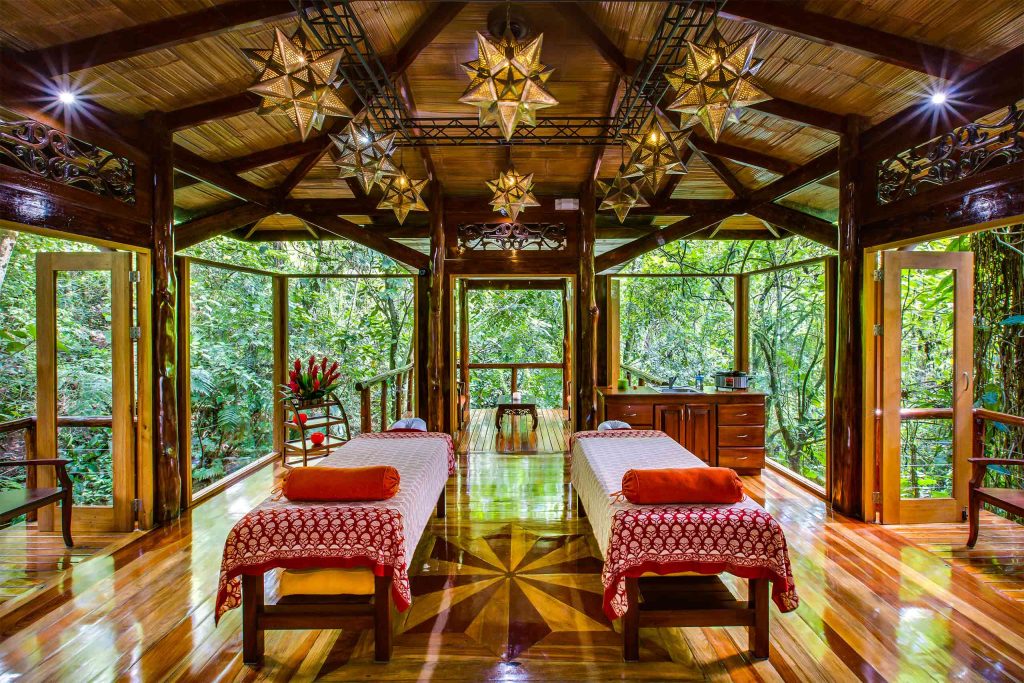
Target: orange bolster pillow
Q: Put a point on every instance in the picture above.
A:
(378, 482)
(682, 485)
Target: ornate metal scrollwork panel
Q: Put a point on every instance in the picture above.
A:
(37, 148)
(961, 153)
(512, 236)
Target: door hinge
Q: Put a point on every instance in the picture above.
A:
(878, 329)
(876, 497)
(134, 276)
(135, 332)
(878, 274)
(136, 505)
(963, 515)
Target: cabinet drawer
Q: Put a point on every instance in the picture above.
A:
(741, 414)
(741, 458)
(633, 413)
(741, 436)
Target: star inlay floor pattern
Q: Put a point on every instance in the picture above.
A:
(511, 591)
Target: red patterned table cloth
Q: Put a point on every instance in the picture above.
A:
(380, 535)
(741, 539)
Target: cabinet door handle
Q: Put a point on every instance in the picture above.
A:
(629, 415)
(743, 436)
(743, 457)
(742, 414)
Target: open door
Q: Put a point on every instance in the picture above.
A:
(926, 378)
(99, 353)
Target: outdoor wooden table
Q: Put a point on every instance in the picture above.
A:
(507, 406)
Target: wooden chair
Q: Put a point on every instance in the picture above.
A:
(1011, 500)
(17, 502)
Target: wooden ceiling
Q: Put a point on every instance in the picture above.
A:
(815, 67)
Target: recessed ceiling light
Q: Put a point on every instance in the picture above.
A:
(938, 97)
(66, 97)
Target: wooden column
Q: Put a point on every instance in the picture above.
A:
(741, 322)
(435, 357)
(165, 349)
(183, 273)
(281, 364)
(587, 314)
(421, 323)
(464, 347)
(566, 350)
(601, 285)
(846, 433)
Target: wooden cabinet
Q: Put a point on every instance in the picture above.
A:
(724, 430)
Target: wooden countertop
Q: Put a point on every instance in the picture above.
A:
(648, 392)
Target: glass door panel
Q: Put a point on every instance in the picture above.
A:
(926, 385)
(84, 365)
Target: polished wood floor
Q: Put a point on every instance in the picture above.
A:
(516, 434)
(507, 587)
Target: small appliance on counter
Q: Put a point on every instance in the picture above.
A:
(735, 380)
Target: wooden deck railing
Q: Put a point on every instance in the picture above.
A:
(981, 417)
(400, 380)
(642, 377)
(515, 368)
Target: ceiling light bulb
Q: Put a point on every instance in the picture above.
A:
(938, 97)
(66, 97)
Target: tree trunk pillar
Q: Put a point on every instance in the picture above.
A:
(165, 348)
(435, 358)
(846, 428)
(588, 313)
(464, 351)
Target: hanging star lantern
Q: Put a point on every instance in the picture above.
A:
(365, 154)
(621, 195)
(402, 195)
(297, 81)
(655, 154)
(513, 192)
(507, 83)
(716, 81)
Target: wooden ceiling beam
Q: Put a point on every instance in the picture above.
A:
(219, 176)
(368, 238)
(814, 170)
(800, 113)
(793, 20)
(798, 223)
(741, 155)
(157, 35)
(204, 112)
(720, 169)
(263, 157)
(222, 222)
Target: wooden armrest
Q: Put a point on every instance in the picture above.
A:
(34, 462)
(995, 461)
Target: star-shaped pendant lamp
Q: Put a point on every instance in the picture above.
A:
(655, 153)
(507, 82)
(513, 192)
(365, 154)
(402, 195)
(621, 195)
(716, 81)
(297, 81)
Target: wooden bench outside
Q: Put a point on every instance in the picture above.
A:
(18, 502)
(1008, 499)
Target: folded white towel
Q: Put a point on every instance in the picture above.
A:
(410, 423)
(612, 424)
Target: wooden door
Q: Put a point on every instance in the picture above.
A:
(698, 430)
(926, 385)
(669, 419)
(102, 354)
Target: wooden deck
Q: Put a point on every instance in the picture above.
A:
(516, 434)
(507, 588)
(32, 562)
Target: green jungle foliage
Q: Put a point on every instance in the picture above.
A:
(518, 326)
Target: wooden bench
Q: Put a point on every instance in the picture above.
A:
(1010, 500)
(18, 502)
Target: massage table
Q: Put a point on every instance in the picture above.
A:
(661, 561)
(344, 563)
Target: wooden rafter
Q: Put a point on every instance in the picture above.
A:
(797, 222)
(720, 169)
(164, 33)
(236, 216)
(368, 238)
(741, 155)
(220, 176)
(816, 169)
(792, 19)
(265, 157)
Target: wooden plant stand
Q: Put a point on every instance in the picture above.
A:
(325, 414)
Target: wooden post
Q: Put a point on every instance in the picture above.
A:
(365, 412)
(435, 359)
(383, 405)
(566, 342)
(587, 312)
(846, 428)
(280, 321)
(165, 349)
(421, 323)
(515, 379)
(397, 409)
(741, 309)
(601, 298)
(464, 348)
(183, 272)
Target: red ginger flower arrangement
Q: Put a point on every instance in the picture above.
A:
(313, 381)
